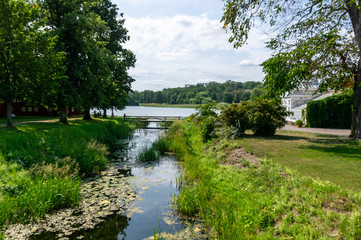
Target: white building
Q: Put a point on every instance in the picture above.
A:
(296, 100)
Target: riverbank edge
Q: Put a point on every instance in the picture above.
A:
(242, 197)
(41, 165)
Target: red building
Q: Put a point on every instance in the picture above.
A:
(21, 109)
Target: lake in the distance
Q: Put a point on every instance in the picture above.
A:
(154, 111)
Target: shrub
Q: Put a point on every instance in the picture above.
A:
(262, 116)
(331, 112)
(206, 118)
(299, 123)
(266, 116)
(236, 115)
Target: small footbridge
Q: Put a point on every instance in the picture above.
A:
(161, 122)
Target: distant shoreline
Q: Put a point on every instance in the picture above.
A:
(170, 105)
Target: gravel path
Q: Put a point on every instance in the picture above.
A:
(338, 132)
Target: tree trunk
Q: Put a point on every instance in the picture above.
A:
(87, 114)
(104, 113)
(62, 115)
(112, 113)
(356, 114)
(8, 115)
(355, 17)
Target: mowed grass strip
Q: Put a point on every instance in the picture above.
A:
(327, 157)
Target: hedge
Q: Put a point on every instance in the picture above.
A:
(330, 112)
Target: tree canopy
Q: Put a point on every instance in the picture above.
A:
(63, 54)
(317, 42)
(28, 60)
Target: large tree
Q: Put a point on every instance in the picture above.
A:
(79, 30)
(317, 41)
(27, 57)
(118, 84)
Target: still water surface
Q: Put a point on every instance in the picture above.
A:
(155, 186)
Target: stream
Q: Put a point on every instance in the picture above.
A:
(130, 200)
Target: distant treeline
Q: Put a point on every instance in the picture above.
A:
(201, 93)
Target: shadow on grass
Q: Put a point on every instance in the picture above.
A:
(276, 137)
(347, 151)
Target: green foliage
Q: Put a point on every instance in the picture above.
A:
(330, 112)
(162, 145)
(299, 123)
(205, 118)
(256, 93)
(237, 116)
(318, 44)
(266, 116)
(148, 155)
(30, 68)
(262, 116)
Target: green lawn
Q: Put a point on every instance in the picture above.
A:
(332, 158)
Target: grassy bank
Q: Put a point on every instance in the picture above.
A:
(41, 164)
(239, 196)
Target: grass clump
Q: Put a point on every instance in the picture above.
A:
(148, 155)
(162, 145)
(264, 201)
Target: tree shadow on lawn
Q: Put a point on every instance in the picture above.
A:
(276, 137)
(347, 151)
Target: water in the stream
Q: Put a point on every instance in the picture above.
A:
(155, 186)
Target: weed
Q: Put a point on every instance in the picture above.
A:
(162, 145)
(148, 155)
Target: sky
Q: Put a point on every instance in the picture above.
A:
(180, 42)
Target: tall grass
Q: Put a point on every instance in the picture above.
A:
(162, 145)
(41, 164)
(148, 155)
(264, 202)
(84, 141)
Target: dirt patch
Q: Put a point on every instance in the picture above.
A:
(338, 205)
(240, 158)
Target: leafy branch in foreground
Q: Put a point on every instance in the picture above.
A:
(317, 42)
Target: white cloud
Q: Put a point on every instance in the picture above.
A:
(248, 62)
(178, 50)
(178, 34)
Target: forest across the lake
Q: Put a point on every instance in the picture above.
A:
(201, 93)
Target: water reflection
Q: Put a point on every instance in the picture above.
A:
(155, 186)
